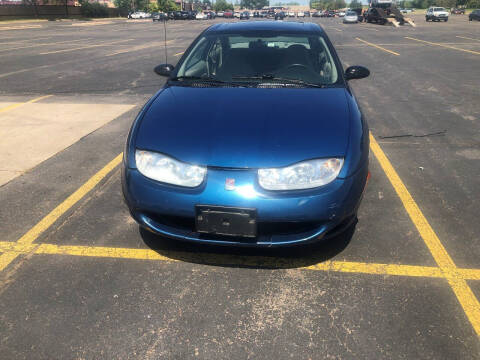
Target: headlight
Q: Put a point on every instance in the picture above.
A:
(165, 169)
(303, 175)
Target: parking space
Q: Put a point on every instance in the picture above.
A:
(80, 280)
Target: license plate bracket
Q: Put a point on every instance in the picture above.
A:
(222, 220)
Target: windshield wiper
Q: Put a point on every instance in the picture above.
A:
(205, 79)
(278, 79)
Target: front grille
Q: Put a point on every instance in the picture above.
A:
(285, 228)
(186, 223)
(177, 222)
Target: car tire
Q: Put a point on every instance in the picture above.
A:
(427, 19)
(446, 20)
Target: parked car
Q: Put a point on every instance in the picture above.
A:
(300, 14)
(317, 14)
(236, 14)
(291, 14)
(474, 15)
(307, 13)
(228, 14)
(373, 15)
(139, 15)
(177, 15)
(210, 14)
(201, 16)
(351, 17)
(341, 13)
(458, 11)
(260, 180)
(280, 15)
(159, 17)
(436, 14)
(256, 14)
(359, 12)
(220, 14)
(244, 15)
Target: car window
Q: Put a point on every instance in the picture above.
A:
(439, 9)
(215, 57)
(196, 62)
(229, 57)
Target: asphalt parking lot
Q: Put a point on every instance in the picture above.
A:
(80, 280)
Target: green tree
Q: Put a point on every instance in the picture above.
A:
(340, 4)
(166, 5)
(254, 4)
(93, 10)
(222, 5)
(355, 4)
(126, 6)
(447, 3)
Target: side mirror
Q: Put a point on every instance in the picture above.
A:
(164, 69)
(356, 72)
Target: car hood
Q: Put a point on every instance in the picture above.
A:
(246, 127)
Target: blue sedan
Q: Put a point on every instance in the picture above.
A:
(256, 139)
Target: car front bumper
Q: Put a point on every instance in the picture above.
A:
(283, 218)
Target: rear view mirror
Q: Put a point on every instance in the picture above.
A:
(164, 69)
(356, 72)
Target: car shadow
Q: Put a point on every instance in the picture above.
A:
(263, 258)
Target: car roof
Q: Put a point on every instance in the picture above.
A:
(286, 26)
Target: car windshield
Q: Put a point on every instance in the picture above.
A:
(439, 9)
(254, 58)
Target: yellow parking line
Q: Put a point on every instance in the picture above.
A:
(469, 274)
(378, 47)
(445, 46)
(19, 27)
(44, 44)
(83, 47)
(16, 248)
(29, 237)
(14, 106)
(209, 258)
(377, 269)
(180, 53)
(136, 48)
(464, 294)
(26, 40)
(369, 28)
(468, 38)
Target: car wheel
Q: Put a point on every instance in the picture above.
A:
(446, 20)
(427, 19)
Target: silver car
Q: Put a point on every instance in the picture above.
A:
(351, 17)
